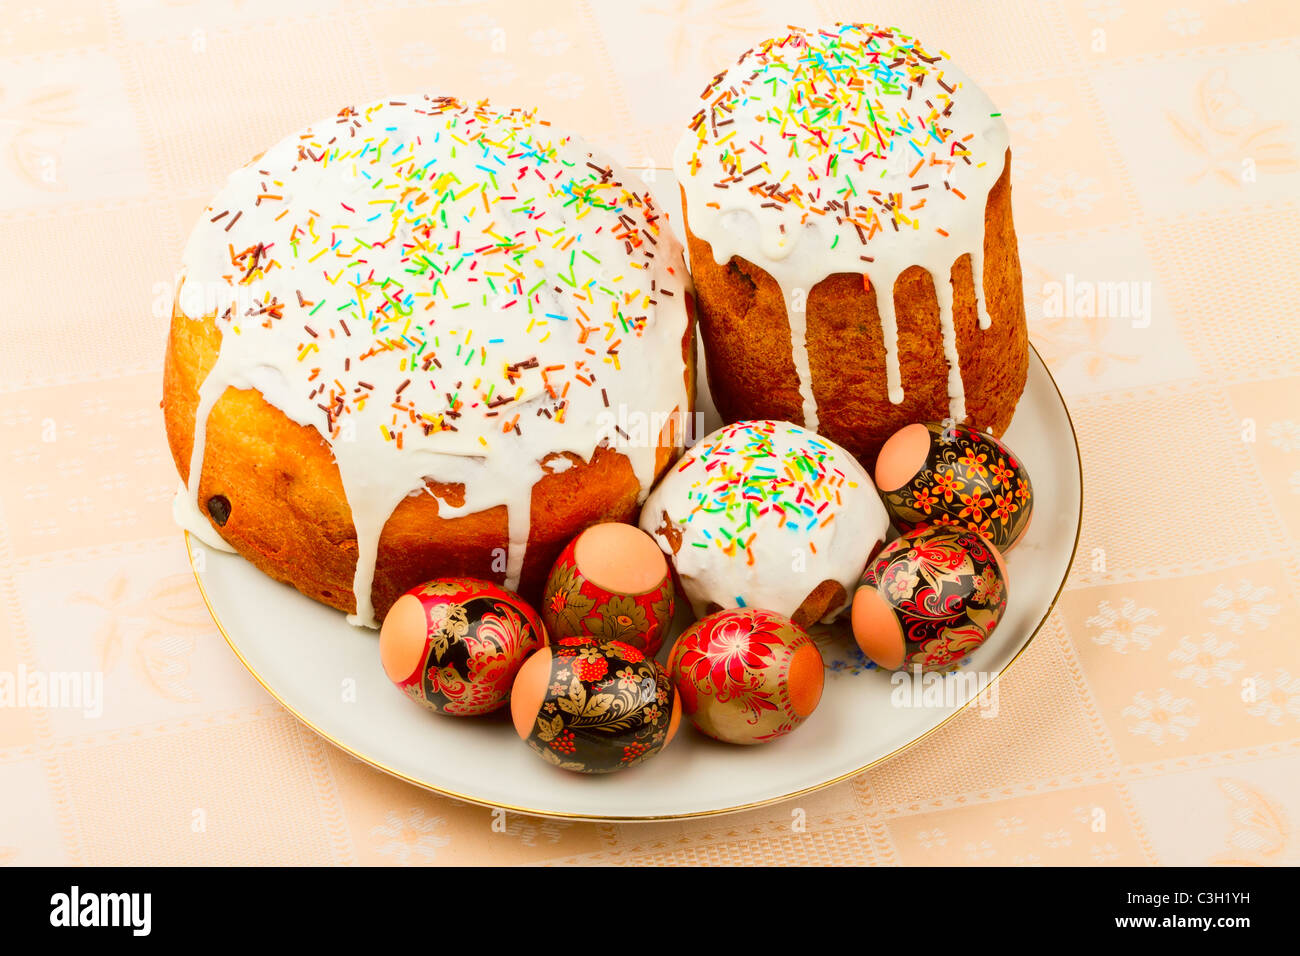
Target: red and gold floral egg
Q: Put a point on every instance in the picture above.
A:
(594, 707)
(746, 676)
(935, 475)
(456, 644)
(929, 598)
(611, 583)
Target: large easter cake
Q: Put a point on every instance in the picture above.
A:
(401, 343)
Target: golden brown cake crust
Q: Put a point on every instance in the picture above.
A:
(290, 518)
(752, 375)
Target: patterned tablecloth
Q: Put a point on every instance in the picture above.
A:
(1156, 719)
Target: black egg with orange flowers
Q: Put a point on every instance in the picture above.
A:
(938, 474)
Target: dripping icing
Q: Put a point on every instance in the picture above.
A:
(806, 210)
(284, 240)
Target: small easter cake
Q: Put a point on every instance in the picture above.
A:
(847, 193)
(398, 340)
(767, 514)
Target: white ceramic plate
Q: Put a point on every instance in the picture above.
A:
(328, 674)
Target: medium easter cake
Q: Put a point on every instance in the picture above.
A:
(847, 195)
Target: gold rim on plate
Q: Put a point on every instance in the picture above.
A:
(614, 818)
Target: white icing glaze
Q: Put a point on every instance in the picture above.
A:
(804, 161)
(445, 293)
(766, 512)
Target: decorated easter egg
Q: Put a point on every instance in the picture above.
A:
(611, 583)
(456, 644)
(933, 474)
(929, 598)
(594, 707)
(746, 676)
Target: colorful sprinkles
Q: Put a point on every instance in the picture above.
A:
(451, 283)
(845, 108)
(752, 483)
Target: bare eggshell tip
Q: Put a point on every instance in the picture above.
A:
(807, 677)
(674, 719)
(529, 691)
(902, 457)
(877, 630)
(620, 558)
(402, 638)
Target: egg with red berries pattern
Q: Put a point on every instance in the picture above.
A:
(929, 599)
(936, 474)
(594, 707)
(747, 676)
(455, 645)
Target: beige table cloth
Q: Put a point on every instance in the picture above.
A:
(1155, 719)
